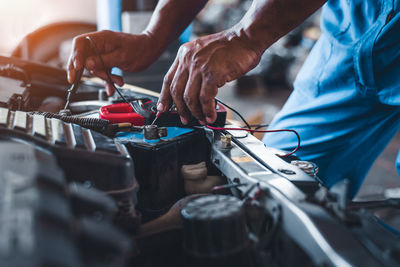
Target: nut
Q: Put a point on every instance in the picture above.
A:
(151, 132)
(226, 141)
(162, 132)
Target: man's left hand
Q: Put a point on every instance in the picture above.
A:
(200, 68)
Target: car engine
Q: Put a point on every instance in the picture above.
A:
(81, 188)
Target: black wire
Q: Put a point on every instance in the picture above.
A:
(236, 112)
(98, 125)
(120, 94)
(260, 126)
(110, 81)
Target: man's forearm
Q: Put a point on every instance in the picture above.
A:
(268, 20)
(170, 19)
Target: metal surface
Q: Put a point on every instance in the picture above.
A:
(238, 164)
(151, 132)
(326, 239)
(74, 87)
(162, 132)
(39, 126)
(307, 166)
(155, 119)
(267, 156)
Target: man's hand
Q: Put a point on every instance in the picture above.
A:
(134, 52)
(125, 51)
(200, 68)
(209, 62)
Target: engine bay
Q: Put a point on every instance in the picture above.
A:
(91, 188)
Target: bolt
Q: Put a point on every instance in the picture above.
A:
(285, 171)
(226, 141)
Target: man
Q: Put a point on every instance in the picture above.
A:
(344, 104)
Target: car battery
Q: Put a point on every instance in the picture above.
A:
(158, 164)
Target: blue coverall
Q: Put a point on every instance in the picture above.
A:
(346, 99)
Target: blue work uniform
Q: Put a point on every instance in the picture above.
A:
(346, 99)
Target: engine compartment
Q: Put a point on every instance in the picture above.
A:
(96, 193)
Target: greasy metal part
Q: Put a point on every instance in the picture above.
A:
(3, 116)
(309, 225)
(307, 166)
(151, 132)
(237, 163)
(226, 141)
(65, 112)
(20, 120)
(267, 157)
(74, 87)
(69, 135)
(39, 126)
(162, 132)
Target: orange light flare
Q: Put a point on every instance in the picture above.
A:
(20, 17)
(17, 18)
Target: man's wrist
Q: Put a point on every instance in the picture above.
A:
(157, 42)
(253, 38)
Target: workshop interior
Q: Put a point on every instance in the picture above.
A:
(88, 179)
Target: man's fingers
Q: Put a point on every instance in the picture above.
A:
(110, 89)
(81, 49)
(177, 89)
(191, 96)
(207, 96)
(76, 59)
(110, 60)
(165, 99)
(71, 73)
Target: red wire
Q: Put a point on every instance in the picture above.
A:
(147, 109)
(256, 195)
(262, 131)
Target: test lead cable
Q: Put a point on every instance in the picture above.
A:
(110, 81)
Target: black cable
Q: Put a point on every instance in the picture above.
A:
(98, 125)
(236, 112)
(110, 81)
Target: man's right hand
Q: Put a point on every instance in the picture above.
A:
(126, 51)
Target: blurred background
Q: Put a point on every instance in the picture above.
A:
(42, 30)
(21, 17)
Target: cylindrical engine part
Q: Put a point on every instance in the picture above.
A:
(162, 132)
(215, 231)
(151, 132)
